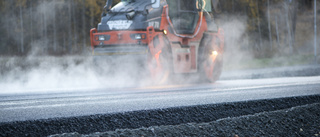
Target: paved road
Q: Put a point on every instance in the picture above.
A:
(52, 103)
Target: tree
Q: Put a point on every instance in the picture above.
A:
(21, 4)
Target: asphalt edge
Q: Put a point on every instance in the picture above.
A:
(147, 118)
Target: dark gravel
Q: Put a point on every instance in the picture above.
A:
(296, 121)
(148, 118)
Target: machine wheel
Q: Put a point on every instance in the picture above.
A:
(165, 59)
(205, 61)
(217, 70)
(165, 73)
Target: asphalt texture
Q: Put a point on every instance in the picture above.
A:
(147, 118)
(74, 102)
(228, 107)
(297, 121)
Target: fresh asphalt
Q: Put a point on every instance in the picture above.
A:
(57, 103)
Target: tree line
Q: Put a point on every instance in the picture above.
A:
(270, 24)
(59, 27)
(47, 26)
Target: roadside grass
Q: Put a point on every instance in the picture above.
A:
(280, 61)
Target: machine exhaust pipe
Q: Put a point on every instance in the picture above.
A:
(108, 5)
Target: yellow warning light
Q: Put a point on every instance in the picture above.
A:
(215, 53)
(165, 32)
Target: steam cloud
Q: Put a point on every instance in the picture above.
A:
(39, 73)
(47, 73)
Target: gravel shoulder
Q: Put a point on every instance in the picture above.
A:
(296, 121)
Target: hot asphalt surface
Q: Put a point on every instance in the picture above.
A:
(89, 110)
(72, 103)
(297, 121)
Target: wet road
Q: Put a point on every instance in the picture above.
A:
(52, 103)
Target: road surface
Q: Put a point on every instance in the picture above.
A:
(53, 103)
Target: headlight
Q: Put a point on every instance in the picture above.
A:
(165, 32)
(138, 36)
(102, 38)
(215, 53)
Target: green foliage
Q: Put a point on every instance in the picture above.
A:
(66, 23)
